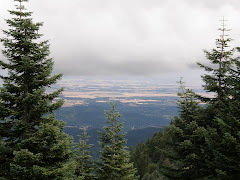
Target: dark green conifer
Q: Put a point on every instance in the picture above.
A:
(206, 139)
(222, 113)
(219, 71)
(33, 145)
(140, 158)
(149, 157)
(187, 155)
(84, 169)
(114, 158)
(155, 175)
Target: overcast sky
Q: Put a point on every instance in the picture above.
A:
(130, 37)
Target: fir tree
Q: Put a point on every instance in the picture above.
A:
(153, 176)
(140, 158)
(84, 169)
(206, 139)
(218, 77)
(187, 131)
(222, 112)
(114, 159)
(33, 145)
(149, 157)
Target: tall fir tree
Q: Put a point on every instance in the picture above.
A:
(114, 158)
(84, 169)
(33, 145)
(207, 140)
(219, 72)
(222, 112)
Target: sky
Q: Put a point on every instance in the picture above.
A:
(147, 38)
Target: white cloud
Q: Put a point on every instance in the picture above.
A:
(133, 37)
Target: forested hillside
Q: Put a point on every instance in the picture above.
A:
(138, 117)
(133, 137)
(201, 142)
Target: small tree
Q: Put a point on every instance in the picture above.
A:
(114, 159)
(33, 145)
(84, 169)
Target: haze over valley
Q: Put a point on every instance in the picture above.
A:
(142, 103)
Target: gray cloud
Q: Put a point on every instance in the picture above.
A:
(101, 67)
(136, 37)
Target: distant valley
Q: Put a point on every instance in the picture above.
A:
(145, 106)
(141, 103)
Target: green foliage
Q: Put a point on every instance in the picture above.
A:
(84, 169)
(206, 139)
(114, 159)
(33, 145)
(140, 159)
(187, 131)
(148, 157)
(219, 72)
(153, 176)
(222, 113)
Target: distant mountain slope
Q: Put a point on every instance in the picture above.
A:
(138, 116)
(140, 135)
(133, 136)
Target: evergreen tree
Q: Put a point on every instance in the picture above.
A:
(149, 157)
(207, 139)
(219, 72)
(140, 158)
(114, 159)
(187, 158)
(222, 113)
(84, 169)
(153, 176)
(204, 139)
(33, 145)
